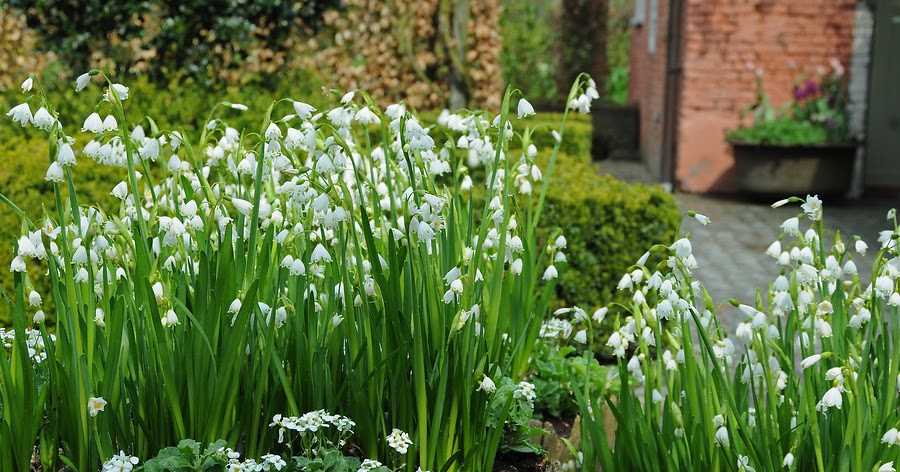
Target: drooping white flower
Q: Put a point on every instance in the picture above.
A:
(810, 361)
(320, 254)
(682, 247)
(21, 114)
(43, 119)
(93, 124)
(788, 460)
(887, 467)
(54, 173)
(551, 273)
(861, 247)
(525, 108)
(243, 206)
(791, 226)
(27, 84)
(890, 437)
(833, 398)
(487, 385)
(120, 191)
(303, 110)
(18, 265)
(120, 90)
(722, 437)
(82, 81)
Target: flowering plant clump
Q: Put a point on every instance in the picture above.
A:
(815, 387)
(816, 115)
(330, 261)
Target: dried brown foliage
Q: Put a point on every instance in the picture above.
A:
(19, 54)
(396, 51)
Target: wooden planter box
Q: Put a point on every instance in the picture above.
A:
(783, 171)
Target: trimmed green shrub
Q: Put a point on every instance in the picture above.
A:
(608, 224)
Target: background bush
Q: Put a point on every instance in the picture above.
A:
(202, 39)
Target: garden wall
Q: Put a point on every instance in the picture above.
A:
(725, 41)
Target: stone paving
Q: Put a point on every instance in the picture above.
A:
(731, 249)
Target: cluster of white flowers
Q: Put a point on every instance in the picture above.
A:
(399, 441)
(34, 340)
(120, 462)
(312, 422)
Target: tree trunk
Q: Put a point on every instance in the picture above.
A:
(459, 90)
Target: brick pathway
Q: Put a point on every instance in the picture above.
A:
(731, 249)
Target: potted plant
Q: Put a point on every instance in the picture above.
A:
(803, 148)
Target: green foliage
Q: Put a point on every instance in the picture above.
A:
(617, 84)
(193, 37)
(608, 224)
(784, 132)
(528, 56)
(816, 115)
(554, 385)
(187, 458)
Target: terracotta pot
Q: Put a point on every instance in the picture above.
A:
(782, 171)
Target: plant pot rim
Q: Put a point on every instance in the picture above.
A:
(844, 145)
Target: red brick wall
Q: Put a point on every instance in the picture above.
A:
(721, 37)
(647, 84)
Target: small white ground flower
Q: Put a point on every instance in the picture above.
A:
(890, 437)
(525, 108)
(21, 114)
(399, 441)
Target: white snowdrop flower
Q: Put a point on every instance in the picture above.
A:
(890, 437)
(93, 124)
(625, 283)
(656, 397)
(516, 266)
(581, 337)
(304, 110)
(273, 132)
(861, 247)
(487, 385)
(525, 108)
(600, 314)
(718, 421)
(791, 226)
(894, 300)
(780, 203)
(887, 467)
(320, 254)
(110, 123)
(743, 464)
(27, 84)
(788, 460)
(235, 306)
(39, 317)
(810, 361)
(43, 119)
(120, 191)
(682, 247)
(560, 242)
(21, 114)
(833, 398)
(884, 286)
(297, 267)
(100, 317)
(170, 320)
(120, 90)
(664, 309)
(34, 298)
(722, 437)
(551, 273)
(348, 97)
(702, 219)
(559, 258)
(82, 81)
(850, 268)
(242, 206)
(365, 117)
